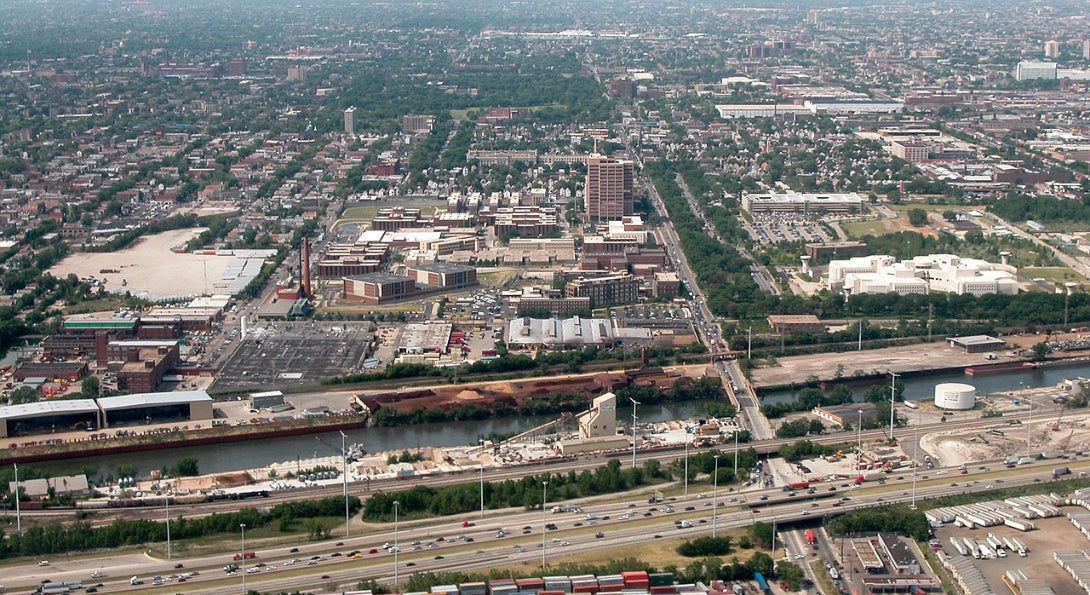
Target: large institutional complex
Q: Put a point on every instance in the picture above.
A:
(802, 203)
(923, 274)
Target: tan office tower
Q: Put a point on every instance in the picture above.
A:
(1052, 49)
(609, 192)
(350, 121)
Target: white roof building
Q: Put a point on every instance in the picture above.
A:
(922, 274)
(557, 333)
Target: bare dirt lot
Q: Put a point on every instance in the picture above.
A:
(148, 268)
(967, 446)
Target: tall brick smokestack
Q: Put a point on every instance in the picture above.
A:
(305, 271)
(101, 345)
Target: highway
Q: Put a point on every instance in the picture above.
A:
(443, 544)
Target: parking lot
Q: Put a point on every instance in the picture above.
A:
(1052, 534)
(773, 228)
(292, 354)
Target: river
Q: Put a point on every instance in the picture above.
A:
(922, 388)
(232, 456)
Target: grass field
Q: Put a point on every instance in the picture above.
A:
(368, 212)
(858, 229)
(1055, 274)
(495, 279)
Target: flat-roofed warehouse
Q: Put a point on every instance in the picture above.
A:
(425, 338)
(190, 405)
(976, 343)
(46, 416)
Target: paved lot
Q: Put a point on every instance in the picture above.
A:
(149, 268)
(291, 354)
(923, 356)
(1051, 535)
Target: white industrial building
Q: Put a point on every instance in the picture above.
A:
(1028, 71)
(803, 203)
(601, 420)
(921, 275)
(808, 108)
(574, 332)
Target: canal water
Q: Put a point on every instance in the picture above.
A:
(922, 388)
(258, 453)
(233, 456)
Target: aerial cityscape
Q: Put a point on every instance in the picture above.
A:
(587, 297)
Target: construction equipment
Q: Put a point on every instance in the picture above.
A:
(1056, 426)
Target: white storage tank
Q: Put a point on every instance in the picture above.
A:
(955, 395)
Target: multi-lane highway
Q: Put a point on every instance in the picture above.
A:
(444, 544)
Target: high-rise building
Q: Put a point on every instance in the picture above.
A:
(350, 121)
(609, 192)
(297, 73)
(1086, 49)
(236, 67)
(813, 17)
(1052, 49)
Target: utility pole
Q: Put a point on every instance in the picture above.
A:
(635, 404)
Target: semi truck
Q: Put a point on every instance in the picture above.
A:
(810, 537)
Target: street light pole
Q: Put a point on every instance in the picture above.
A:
(715, 493)
(166, 501)
(635, 404)
(344, 472)
(686, 464)
(749, 343)
(892, 399)
(481, 440)
(18, 515)
(242, 561)
(736, 430)
(544, 499)
(396, 549)
(915, 459)
(1028, 436)
(859, 441)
